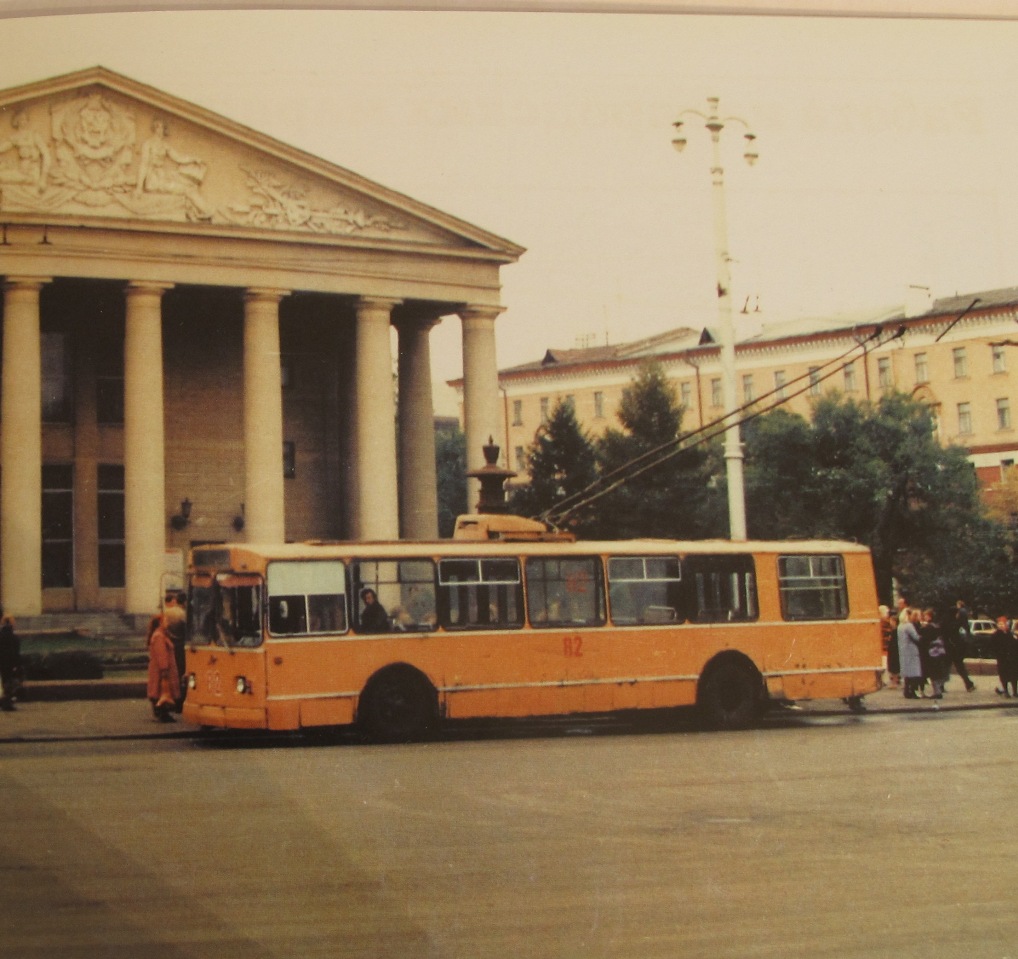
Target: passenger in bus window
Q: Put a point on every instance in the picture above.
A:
(374, 618)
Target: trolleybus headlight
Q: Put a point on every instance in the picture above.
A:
(243, 686)
(192, 681)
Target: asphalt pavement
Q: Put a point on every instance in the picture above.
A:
(117, 708)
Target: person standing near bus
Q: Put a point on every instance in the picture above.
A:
(956, 639)
(1004, 644)
(908, 652)
(10, 662)
(163, 676)
(888, 624)
(938, 665)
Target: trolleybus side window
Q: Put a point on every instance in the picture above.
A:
(405, 589)
(306, 597)
(645, 589)
(564, 592)
(480, 593)
(238, 609)
(201, 617)
(724, 588)
(812, 587)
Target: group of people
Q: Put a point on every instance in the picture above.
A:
(921, 650)
(922, 646)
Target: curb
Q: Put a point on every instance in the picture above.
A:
(60, 690)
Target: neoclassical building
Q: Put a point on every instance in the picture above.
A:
(196, 343)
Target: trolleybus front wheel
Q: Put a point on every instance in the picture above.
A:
(398, 705)
(730, 695)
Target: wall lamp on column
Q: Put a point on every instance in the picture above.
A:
(182, 518)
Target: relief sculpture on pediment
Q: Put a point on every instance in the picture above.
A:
(165, 171)
(92, 158)
(94, 148)
(31, 156)
(91, 163)
(283, 205)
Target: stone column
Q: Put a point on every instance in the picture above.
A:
(21, 450)
(418, 484)
(263, 419)
(377, 511)
(144, 447)
(481, 414)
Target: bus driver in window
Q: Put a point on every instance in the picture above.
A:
(374, 618)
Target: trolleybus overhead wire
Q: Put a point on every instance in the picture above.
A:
(557, 515)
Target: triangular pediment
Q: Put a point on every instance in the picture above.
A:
(95, 146)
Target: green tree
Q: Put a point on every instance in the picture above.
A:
(560, 462)
(874, 472)
(451, 472)
(681, 497)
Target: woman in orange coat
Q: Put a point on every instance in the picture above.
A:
(163, 676)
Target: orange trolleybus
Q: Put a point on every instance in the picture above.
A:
(508, 620)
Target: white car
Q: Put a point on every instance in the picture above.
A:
(979, 638)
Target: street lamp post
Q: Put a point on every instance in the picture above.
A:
(714, 124)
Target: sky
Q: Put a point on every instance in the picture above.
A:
(888, 147)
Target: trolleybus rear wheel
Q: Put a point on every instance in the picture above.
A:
(398, 705)
(730, 696)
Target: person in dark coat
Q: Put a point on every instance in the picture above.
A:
(956, 639)
(1004, 644)
(374, 618)
(10, 662)
(888, 624)
(937, 665)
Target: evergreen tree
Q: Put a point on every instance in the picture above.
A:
(451, 470)
(678, 498)
(561, 462)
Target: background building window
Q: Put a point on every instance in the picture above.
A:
(850, 380)
(885, 377)
(964, 418)
(961, 363)
(999, 360)
(521, 459)
(56, 377)
(748, 393)
(715, 392)
(1003, 414)
(517, 412)
(110, 488)
(599, 405)
(57, 526)
(814, 381)
(779, 384)
(922, 368)
(686, 395)
(544, 409)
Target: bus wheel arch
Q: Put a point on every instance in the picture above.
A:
(398, 704)
(730, 693)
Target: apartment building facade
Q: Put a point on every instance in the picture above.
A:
(958, 354)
